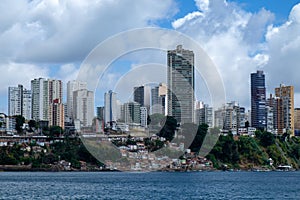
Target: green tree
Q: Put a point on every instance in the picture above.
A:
(20, 120)
(55, 131)
(32, 124)
(266, 138)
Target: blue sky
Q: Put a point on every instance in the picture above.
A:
(48, 38)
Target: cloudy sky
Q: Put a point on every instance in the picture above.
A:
(51, 38)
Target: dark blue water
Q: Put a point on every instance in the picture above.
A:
(111, 185)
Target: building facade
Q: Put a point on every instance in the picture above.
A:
(180, 77)
(258, 101)
(83, 105)
(15, 100)
(73, 86)
(158, 99)
(144, 116)
(132, 113)
(110, 107)
(44, 93)
(287, 116)
(19, 102)
(27, 104)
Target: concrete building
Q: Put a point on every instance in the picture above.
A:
(144, 116)
(286, 94)
(27, 104)
(15, 100)
(142, 96)
(83, 105)
(228, 117)
(44, 93)
(205, 115)
(73, 86)
(158, 99)
(132, 113)
(110, 107)
(297, 121)
(180, 77)
(258, 101)
(57, 116)
(19, 102)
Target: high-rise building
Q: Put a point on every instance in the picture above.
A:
(57, 115)
(297, 121)
(27, 104)
(158, 99)
(100, 113)
(15, 100)
(73, 86)
(35, 95)
(44, 93)
(144, 116)
(110, 107)
(228, 117)
(258, 101)
(19, 102)
(142, 95)
(180, 75)
(286, 94)
(83, 105)
(205, 115)
(132, 113)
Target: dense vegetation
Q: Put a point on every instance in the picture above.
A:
(71, 150)
(254, 152)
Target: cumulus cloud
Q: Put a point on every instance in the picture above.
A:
(52, 33)
(202, 4)
(284, 47)
(234, 39)
(179, 22)
(65, 31)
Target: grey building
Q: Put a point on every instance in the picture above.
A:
(180, 77)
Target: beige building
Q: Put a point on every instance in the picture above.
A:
(286, 94)
(57, 114)
(297, 119)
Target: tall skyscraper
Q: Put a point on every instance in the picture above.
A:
(132, 113)
(15, 100)
(83, 105)
(27, 104)
(297, 121)
(100, 113)
(158, 99)
(286, 94)
(110, 107)
(44, 93)
(142, 95)
(205, 115)
(181, 84)
(258, 101)
(228, 117)
(57, 115)
(144, 116)
(73, 86)
(19, 102)
(40, 99)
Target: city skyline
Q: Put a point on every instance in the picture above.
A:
(254, 35)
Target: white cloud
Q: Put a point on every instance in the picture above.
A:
(179, 22)
(283, 48)
(55, 32)
(202, 4)
(65, 31)
(240, 42)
